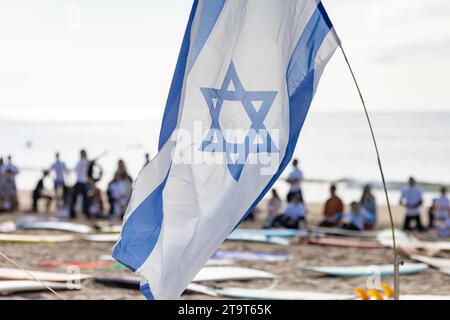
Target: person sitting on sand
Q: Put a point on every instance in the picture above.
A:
(293, 216)
(411, 198)
(273, 207)
(333, 210)
(294, 179)
(441, 206)
(8, 192)
(443, 227)
(40, 192)
(369, 204)
(95, 200)
(357, 218)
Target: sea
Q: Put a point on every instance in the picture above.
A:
(333, 148)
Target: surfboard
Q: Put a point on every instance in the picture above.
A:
(343, 232)
(258, 238)
(443, 245)
(19, 286)
(7, 226)
(231, 274)
(17, 274)
(252, 255)
(108, 228)
(345, 243)
(264, 294)
(283, 233)
(89, 265)
(272, 294)
(54, 226)
(27, 238)
(363, 271)
(439, 263)
(384, 237)
(219, 262)
(214, 274)
(107, 237)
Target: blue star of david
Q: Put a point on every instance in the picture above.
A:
(257, 139)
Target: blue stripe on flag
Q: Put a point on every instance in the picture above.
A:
(170, 117)
(211, 10)
(145, 290)
(301, 74)
(141, 231)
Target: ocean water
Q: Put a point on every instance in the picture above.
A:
(332, 147)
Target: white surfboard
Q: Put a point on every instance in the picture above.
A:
(108, 228)
(19, 286)
(272, 294)
(363, 271)
(439, 263)
(231, 274)
(28, 238)
(343, 232)
(258, 238)
(7, 226)
(54, 226)
(216, 274)
(106, 237)
(283, 233)
(443, 245)
(17, 274)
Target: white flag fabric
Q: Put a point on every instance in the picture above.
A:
(243, 85)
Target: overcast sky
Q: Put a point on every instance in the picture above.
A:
(104, 59)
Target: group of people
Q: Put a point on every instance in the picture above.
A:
(84, 195)
(438, 213)
(361, 215)
(8, 189)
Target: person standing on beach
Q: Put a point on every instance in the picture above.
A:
(59, 168)
(333, 209)
(9, 165)
(295, 179)
(1, 167)
(369, 204)
(81, 186)
(411, 199)
(40, 192)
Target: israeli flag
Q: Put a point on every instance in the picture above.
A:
(243, 84)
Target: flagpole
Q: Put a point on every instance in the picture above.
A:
(397, 260)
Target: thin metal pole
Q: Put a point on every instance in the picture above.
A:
(31, 275)
(397, 260)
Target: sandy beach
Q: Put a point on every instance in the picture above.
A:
(291, 275)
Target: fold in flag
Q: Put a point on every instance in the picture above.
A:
(243, 85)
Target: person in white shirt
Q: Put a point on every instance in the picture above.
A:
(294, 215)
(59, 168)
(358, 218)
(81, 186)
(440, 209)
(295, 179)
(411, 199)
(11, 167)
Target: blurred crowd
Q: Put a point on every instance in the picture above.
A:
(85, 197)
(82, 197)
